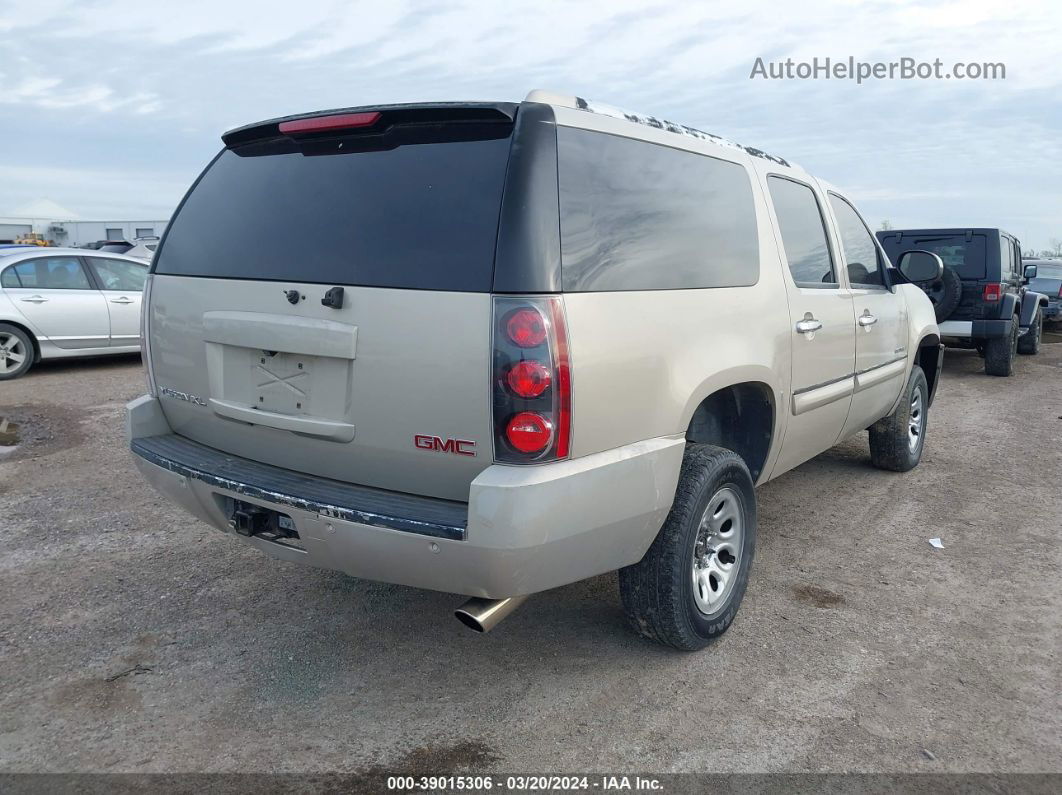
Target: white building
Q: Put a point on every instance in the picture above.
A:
(78, 233)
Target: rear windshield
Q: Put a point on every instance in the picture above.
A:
(419, 215)
(1047, 271)
(965, 256)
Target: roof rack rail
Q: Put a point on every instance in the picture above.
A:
(600, 108)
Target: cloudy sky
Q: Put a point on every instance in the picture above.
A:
(109, 108)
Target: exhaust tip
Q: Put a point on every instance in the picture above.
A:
(468, 620)
(483, 615)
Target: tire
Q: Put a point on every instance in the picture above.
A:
(945, 293)
(897, 441)
(16, 352)
(1029, 345)
(1000, 352)
(658, 592)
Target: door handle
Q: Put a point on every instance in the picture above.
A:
(809, 325)
(866, 320)
(122, 300)
(36, 299)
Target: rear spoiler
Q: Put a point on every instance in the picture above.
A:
(372, 119)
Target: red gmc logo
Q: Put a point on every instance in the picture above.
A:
(455, 446)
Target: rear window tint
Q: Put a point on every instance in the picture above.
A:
(641, 216)
(420, 215)
(803, 229)
(965, 256)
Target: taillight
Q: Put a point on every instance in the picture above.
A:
(531, 380)
(529, 432)
(1060, 291)
(526, 327)
(145, 339)
(993, 292)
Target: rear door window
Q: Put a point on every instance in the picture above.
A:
(418, 215)
(861, 256)
(642, 216)
(116, 274)
(803, 233)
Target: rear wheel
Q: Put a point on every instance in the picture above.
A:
(16, 352)
(1000, 352)
(896, 441)
(1029, 345)
(686, 591)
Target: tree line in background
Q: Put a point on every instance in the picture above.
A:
(1055, 244)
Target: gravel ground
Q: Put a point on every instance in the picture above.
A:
(133, 638)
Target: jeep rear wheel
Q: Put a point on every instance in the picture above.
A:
(896, 441)
(686, 591)
(1029, 344)
(1000, 352)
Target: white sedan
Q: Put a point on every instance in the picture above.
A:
(57, 303)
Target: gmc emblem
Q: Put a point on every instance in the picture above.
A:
(455, 446)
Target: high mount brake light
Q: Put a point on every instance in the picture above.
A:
(341, 121)
(531, 380)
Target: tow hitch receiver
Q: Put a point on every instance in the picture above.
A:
(253, 520)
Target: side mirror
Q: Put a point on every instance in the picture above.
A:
(921, 266)
(1030, 272)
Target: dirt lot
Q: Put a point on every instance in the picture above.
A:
(133, 638)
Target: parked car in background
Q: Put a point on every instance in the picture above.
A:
(59, 302)
(143, 248)
(981, 300)
(507, 360)
(1048, 282)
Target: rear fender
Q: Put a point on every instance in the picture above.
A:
(1030, 302)
(1008, 307)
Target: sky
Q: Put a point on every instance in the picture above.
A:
(109, 109)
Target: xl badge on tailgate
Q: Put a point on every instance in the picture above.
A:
(188, 398)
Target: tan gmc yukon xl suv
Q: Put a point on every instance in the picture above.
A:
(491, 348)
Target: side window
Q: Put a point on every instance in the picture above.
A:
(9, 278)
(865, 266)
(803, 233)
(116, 274)
(642, 216)
(1006, 257)
(52, 273)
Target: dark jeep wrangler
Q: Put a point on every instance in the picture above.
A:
(981, 300)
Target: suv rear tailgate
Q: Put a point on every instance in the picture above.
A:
(336, 393)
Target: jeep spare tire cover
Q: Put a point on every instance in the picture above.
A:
(944, 293)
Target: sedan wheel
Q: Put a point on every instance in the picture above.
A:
(16, 352)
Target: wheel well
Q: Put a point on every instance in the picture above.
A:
(928, 359)
(33, 338)
(739, 418)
